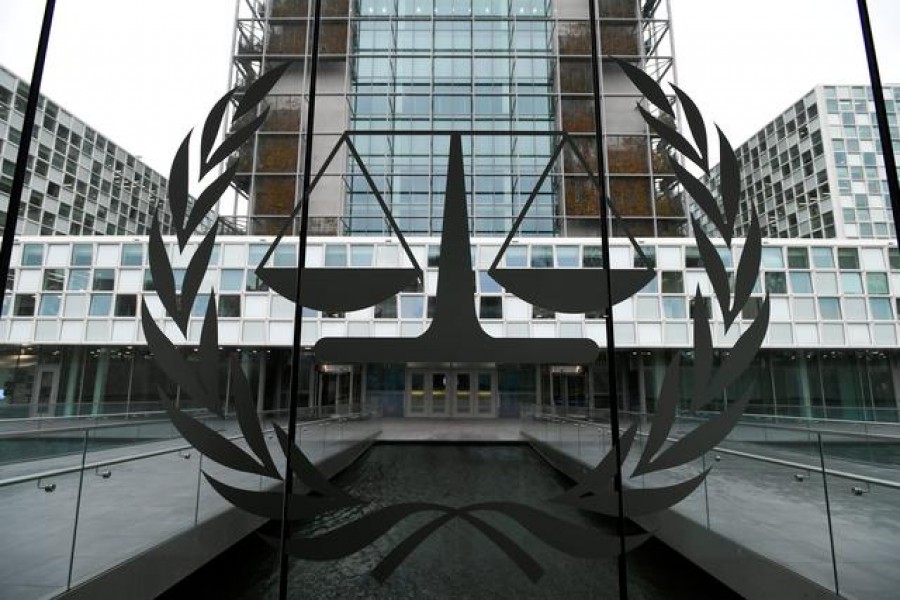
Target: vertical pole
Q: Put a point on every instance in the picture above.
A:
(84, 448)
(884, 131)
(18, 184)
(837, 589)
(298, 309)
(608, 313)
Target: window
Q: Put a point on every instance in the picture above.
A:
(801, 283)
(126, 305)
(335, 256)
(53, 279)
(82, 255)
(361, 255)
(881, 308)
(231, 280)
(491, 307)
(776, 283)
(284, 256)
(542, 313)
(32, 255)
(672, 282)
(772, 258)
(148, 281)
(132, 255)
(201, 303)
(798, 258)
(255, 284)
(848, 258)
(104, 280)
(412, 307)
(830, 308)
(877, 283)
(24, 305)
(229, 305)
(487, 284)
(100, 305)
(826, 283)
(593, 257)
(516, 256)
(852, 283)
(855, 309)
(567, 256)
(674, 308)
(50, 304)
(692, 258)
(542, 256)
(386, 309)
(434, 254)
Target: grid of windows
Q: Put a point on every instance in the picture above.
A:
(816, 171)
(78, 182)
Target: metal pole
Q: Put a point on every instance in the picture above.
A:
(18, 184)
(298, 309)
(884, 131)
(837, 589)
(608, 315)
(84, 449)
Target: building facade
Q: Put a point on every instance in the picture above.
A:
(78, 182)
(816, 171)
(514, 71)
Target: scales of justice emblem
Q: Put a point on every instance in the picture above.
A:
(455, 336)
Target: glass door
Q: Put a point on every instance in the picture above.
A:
(46, 383)
(486, 398)
(416, 397)
(463, 395)
(437, 401)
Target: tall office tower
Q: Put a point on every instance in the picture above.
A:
(78, 182)
(389, 69)
(816, 171)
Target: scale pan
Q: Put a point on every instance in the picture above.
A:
(338, 289)
(572, 290)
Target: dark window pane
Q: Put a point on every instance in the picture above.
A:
(491, 307)
(126, 305)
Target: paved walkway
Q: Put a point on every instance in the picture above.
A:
(450, 430)
(767, 508)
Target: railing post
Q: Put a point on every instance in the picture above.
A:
(84, 448)
(837, 589)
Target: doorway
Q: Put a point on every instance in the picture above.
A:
(337, 390)
(451, 393)
(46, 386)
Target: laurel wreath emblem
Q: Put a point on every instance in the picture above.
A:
(595, 491)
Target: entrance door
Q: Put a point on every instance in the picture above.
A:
(335, 391)
(46, 384)
(451, 394)
(437, 394)
(568, 390)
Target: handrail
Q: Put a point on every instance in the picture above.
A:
(40, 432)
(133, 457)
(781, 462)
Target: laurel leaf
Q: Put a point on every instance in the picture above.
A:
(193, 277)
(208, 442)
(672, 137)
(268, 504)
(695, 122)
(395, 558)
(703, 352)
(170, 359)
(211, 128)
(743, 352)
(641, 501)
(163, 276)
(307, 473)
(236, 140)
(699, 193)
(210, 196)
(259, 89)
(208, 354)
(248, 420)
(748, 267)
(715, 269)
(664, 418)
(647, 86)
(601, 476)
(730, 188)
(177, 190)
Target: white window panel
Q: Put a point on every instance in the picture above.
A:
(20, 330)
(807, 333)
(256, 307)
(570, 317)
(515, 309)
(234, 255)
(486, 256)
(281, 308)
(431, 278)
(780, 334)
(543, 330)
(124, 331)
(833, 334)
(858, 334)
(650, 334)
(873, 259)
(75, 305)
(334, 329)
(130, 281)
(28, 280)
(620, 258)
(420, 254)
(154, 305)
(358, 329)
(46, 330)
(314, 255)
(624, 310)
(885, 334)
(230, 332)
(596, 332)
(387, 330)
(364, 314)
(779, 309)
(281, 333)
(570, 330)
(194, 328)
(669, 257)
(57, 255)
(388, 256)
(517, 330)
(107, 255)
(692, 279)
(253, 332)
(414, 329)
(647, 308)
(98, 331)
(72, 331)
(624, 333)
(676, 333)
(826, 284)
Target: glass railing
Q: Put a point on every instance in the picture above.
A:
(824, 503)
(72, 515)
